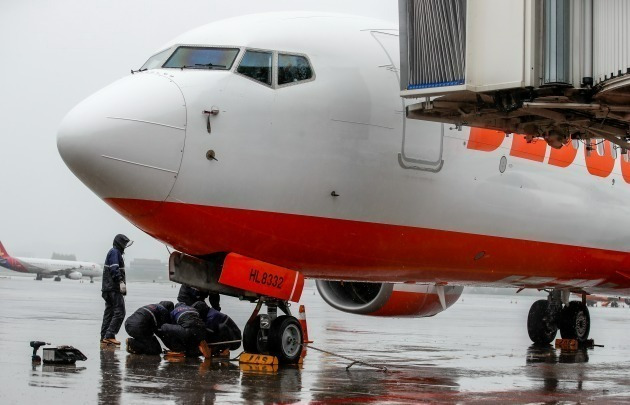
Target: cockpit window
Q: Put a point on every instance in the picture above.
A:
(293, 68)
(156, 60)
(193, 57)
(257, 65)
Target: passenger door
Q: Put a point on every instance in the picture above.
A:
(421, 141)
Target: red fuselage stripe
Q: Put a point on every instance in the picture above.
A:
(353, 250)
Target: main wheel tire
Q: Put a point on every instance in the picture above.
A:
(539, 329)
(285, 339)
(38, 277)
(252, 337)
(57, 278)
(575, 321)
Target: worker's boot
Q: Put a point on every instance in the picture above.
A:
(111, 341)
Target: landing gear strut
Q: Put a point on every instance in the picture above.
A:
(280, 336)
(91, 280)
(547, 316)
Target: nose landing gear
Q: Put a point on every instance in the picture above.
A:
(280, 336)
(547, 316)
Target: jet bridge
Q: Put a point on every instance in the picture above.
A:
(552, 69)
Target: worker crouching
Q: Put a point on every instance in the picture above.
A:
(142, 326)
(221, 328)
(190, 295)
(185, 331)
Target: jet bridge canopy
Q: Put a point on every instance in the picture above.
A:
(554, 69)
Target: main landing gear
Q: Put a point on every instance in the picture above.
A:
(38, 277)
(280, 336)
(57, 278)
(556, 312)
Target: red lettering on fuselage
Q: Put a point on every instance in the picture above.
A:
(485, 139)
(625, 167)
(599, 165)
(533, 150)
(564, 156)
(599, 161)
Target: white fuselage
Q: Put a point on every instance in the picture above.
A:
(51, 266)
(328, 177)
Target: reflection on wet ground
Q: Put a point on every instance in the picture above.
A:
(476, 352)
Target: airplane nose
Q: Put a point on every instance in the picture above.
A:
(126, 141)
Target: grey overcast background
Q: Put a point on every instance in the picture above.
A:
(54, 54)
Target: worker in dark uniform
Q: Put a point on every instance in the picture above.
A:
(221, 328)
(190, 295)
(143, 324)
(113, 289)
(185, 331)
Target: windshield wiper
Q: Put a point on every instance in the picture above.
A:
(198, 66)
(137, 71)
(210, 65)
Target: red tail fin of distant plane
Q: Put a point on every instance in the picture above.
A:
(10, 263)
(3, 252)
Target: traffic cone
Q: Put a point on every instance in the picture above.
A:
(302, 319)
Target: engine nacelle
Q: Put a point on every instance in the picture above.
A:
(385, 299)
(75, 275)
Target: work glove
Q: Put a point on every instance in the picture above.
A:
(123, 289)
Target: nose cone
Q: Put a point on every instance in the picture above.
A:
(126, 141)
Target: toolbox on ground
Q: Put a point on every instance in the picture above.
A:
(62, 355)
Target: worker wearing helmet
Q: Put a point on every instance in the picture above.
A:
(113, 290)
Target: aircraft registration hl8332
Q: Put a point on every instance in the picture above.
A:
(280, 140)
(49, 268)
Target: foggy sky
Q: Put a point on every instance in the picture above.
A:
(54, 54)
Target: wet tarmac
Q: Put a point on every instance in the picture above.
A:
(476, 352)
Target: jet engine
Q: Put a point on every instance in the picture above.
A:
(75, 275)
(385, 299)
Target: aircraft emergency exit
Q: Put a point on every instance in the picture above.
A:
(49, 268)
(282, 138)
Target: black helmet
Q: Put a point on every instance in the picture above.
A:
(121, 242)
(167, 304)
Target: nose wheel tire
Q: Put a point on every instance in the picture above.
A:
(57, 278)
(575, 321)
(285, 339)
(541, 329)
(253, 338)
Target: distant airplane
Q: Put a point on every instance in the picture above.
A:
(613, 302)
(49, 268)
